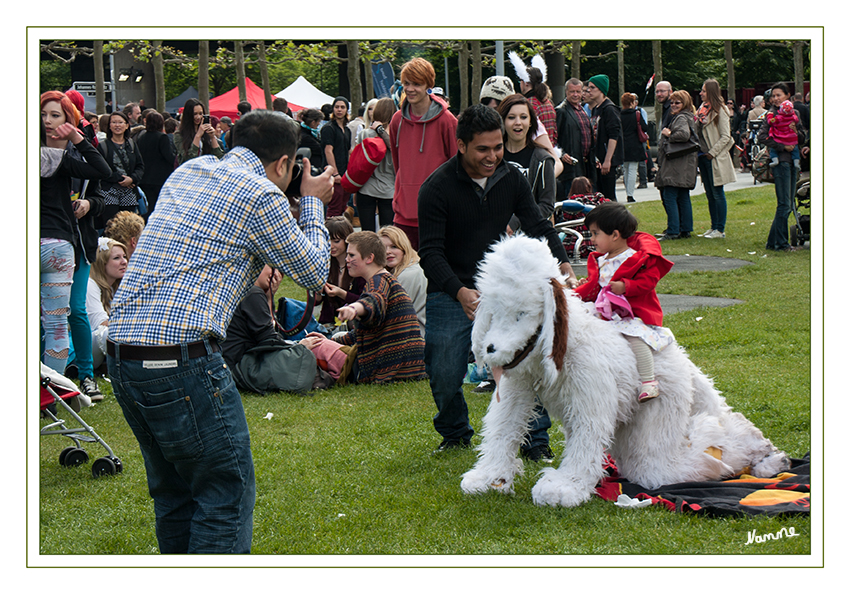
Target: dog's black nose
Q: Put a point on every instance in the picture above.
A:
(491, 349)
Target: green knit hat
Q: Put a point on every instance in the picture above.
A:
(600, 81)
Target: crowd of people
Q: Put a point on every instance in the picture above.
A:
(163, 242)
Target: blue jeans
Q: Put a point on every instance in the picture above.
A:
(715, 195)
(191, 429)
(56, 278)
(680, 216)
(80, 352)
(785, 183)
(448, 339)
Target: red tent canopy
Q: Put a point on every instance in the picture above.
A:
(225, 104)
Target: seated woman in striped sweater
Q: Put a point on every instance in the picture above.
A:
(389, 345)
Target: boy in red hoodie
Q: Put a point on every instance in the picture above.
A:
(422, 137)
(628, 263)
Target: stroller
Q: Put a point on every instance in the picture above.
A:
(569, 222)
(801, 229)
(58, 391)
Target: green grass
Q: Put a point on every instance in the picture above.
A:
(350, 470)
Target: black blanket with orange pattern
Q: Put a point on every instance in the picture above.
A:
(786, 493)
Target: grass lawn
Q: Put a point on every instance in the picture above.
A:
(349, 471)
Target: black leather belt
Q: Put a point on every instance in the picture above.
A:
(135, 352)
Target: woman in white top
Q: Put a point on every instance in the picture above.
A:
(403, 263)
(106, 273)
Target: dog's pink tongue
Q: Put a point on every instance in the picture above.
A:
(497, 375)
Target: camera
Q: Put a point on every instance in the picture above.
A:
(294, 188)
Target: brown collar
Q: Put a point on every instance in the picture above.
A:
(522, 354)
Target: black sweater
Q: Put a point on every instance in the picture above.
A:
(458, 221)
(57, 214)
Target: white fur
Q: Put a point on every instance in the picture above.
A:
(594, 394)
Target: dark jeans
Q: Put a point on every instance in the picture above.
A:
(191, 429)
(715, 195)
(448, 339)
(366, 206)
(607, 184)
(785, 184)
(680, 216)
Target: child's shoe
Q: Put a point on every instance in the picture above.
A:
(773, 162)
(648, 391)
(797, 164)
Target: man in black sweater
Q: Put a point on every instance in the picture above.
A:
(464, 207)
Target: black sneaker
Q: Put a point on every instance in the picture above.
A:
(89, 387)
(453, 444)
(541, 453)
(485, 386)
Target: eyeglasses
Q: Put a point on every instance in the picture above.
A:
(675, 103)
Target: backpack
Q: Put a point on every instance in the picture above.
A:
(362, 163)
(761, 167)
(276, 367)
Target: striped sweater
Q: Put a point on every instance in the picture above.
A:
(390, 347)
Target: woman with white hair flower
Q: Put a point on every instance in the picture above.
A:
(106, 273)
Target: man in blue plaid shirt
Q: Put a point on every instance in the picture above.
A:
(215, 225)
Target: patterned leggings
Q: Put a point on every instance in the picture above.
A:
(57, 274)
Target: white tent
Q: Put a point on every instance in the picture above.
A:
(302, 94)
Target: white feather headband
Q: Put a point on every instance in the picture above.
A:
(521, 69)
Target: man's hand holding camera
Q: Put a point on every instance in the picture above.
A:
(321, 186)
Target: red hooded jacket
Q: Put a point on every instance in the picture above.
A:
(641, 273)
(418, 147)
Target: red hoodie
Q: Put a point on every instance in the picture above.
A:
(641, 273)
(418, 148)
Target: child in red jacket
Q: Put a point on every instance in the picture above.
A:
(628, 264)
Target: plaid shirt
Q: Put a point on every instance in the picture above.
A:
(585, 127)
(216, 223)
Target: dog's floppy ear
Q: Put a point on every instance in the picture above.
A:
(561, 321)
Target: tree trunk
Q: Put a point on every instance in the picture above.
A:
(240, 71)
(354, 75)
(204, 74)
(730, 72)
(799, 69)
(575, 60)
(463, 72)
(476, 68)
(264, 73)
(370, 83)
(99, 91)
(659, 76)
(621, 71)
(159, 75)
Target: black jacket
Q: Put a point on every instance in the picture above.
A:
(458, 221)
(157, 155)
(569, 139)
(633, 148)
(608, 126)
(135, 166)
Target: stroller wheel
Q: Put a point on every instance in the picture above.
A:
(103, 466)
(74, 457)
(64, 454)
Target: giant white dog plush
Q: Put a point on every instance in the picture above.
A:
(546, 344)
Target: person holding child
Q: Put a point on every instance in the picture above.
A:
(783, 129)
(390, 347)
(628, 263)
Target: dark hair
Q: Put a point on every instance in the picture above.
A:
(170, 125)
(337, 100)
(311, 115)
(243, 107)
(327, 110)
(539, 89)
(580, 186)
(516, 99)
(154, 122)
(611, 216)
(782, 87)
(475, 119)
(128, 109)
(339, 227)
(121, 115)
(280, 104)
(187, 127)
(267, 134)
